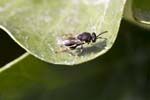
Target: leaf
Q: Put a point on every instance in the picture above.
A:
(9, 50)
(38, 25)
(138, 12)
(28, 78)
(121, 74)
(141, 11)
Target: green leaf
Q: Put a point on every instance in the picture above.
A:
(38, 25)
(28, 78)
(138, 12)
(141, 11)
(121, 74)
(9, 50)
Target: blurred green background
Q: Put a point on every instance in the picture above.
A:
(9, 50)
(122, 73)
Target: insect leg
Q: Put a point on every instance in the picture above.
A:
(66, 50)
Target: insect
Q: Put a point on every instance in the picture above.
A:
(81, 39)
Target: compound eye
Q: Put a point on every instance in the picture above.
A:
(93, 37)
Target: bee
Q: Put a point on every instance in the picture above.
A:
(81, 39)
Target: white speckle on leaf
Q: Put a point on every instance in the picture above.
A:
(95, 2)
(2, 9)
(26, 39)
(19, 10)
(76, 1)
(5, 7)
(51, 48)
(59, 41)
(45, 18)
(42, 56)
(69, 63)
(93, 28)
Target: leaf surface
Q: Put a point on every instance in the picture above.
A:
(38, 25)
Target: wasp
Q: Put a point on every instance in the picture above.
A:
(84, 38)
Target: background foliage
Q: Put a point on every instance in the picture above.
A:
(121, 74)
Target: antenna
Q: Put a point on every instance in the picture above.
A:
(101, 33)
